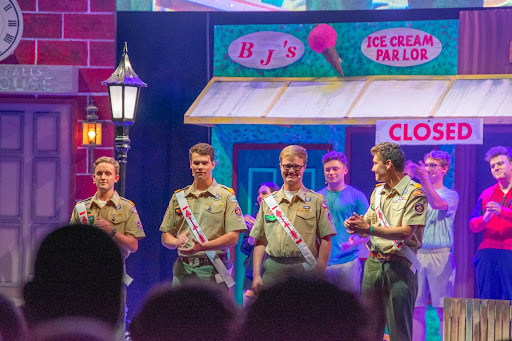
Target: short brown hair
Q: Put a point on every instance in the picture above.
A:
(292, 151)
(497, 151)
(202, 149)
(334, 156)
(106, 159)
(390, 151)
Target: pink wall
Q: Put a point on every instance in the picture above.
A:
(80, 33)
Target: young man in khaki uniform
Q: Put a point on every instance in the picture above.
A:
(308, 213)
(108, 211)
(113, 214)
(395, 224)
(217, 214)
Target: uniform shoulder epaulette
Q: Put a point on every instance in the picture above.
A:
(181, 189)
(229, 189)
(129, 201)
(79, 201)
(320, 195)
(379, 184)
(417, 185)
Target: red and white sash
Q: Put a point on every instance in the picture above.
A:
(292, 233)
(198, 233)
(399, 244)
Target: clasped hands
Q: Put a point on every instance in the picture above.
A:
(183, 239)
(491, 208)
(357, 225)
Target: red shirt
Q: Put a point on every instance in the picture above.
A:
(498, 231)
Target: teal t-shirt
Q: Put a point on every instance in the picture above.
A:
(342, 205)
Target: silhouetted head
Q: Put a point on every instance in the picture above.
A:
(195, 311)
(12, 323)
(78, 271)
(304, 308)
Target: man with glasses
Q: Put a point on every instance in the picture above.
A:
(437, 273)
(493, 216)
(293, 226)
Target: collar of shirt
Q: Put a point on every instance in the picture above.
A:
(114, 199)
(213, 189)
(301, 194)
(399, 187)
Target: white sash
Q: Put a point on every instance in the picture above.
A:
(198, 233)
(399, 244)
(292, 233)
(82, 213)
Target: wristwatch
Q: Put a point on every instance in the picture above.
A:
(114, 232)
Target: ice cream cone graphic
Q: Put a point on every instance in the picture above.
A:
(322, 39)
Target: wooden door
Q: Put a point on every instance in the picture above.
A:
(35, 156)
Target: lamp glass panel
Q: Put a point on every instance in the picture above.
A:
(85, 136)
(98, 133)
(130, 97)
(116, 101)
(91, 133)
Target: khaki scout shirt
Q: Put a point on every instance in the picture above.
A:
(404, 204)
(309, 214)
(120, 212)
(216, 211)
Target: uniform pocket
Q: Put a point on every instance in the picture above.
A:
(214, 214)
(117, 219)
(307, 218)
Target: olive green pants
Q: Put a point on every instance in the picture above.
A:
(276, 268)
(396, 286)
(183, 272)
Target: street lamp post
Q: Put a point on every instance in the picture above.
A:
(123, 90)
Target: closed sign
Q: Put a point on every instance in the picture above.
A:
(401, 47)
(266, 50)
(430, 132)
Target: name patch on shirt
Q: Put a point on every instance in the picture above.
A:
(270, 218)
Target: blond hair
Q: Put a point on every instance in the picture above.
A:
(293, 150)
(440, 156)
(106, 159)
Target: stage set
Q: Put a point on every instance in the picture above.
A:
(248, 84)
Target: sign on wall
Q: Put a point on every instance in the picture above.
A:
(38, 78)
(401, 47)
(430, 132)
(337, 49)
(266, 50)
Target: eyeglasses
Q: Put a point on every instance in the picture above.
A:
(295, 167)
(431, 165)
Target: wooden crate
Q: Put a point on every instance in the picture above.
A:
(472, 319)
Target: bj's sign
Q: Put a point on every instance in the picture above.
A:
(266, 50)
(430, 132)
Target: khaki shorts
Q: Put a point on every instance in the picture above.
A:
(437, 276)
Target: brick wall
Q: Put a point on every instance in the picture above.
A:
(80, 33)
